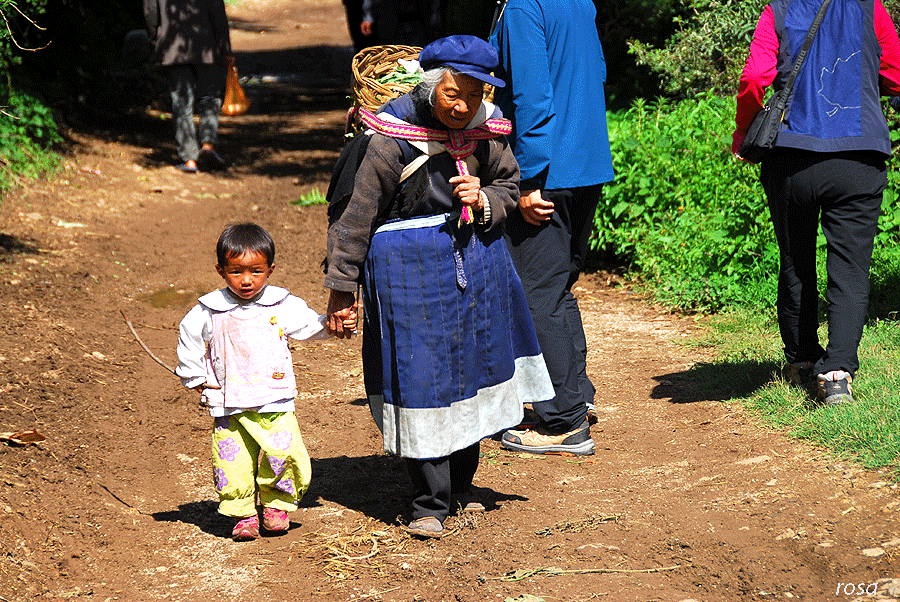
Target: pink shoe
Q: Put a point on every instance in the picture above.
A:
(275, 520)
(246, 528)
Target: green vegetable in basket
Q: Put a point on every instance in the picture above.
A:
(403, 74)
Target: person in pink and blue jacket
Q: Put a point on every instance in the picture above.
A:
(828, 167)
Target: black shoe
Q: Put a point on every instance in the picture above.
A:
(529, 420)
(209, 160)
(835, 392)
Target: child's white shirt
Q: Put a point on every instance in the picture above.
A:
(295, 318)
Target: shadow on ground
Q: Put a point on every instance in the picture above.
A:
(714, 381)
(376, 486)
(294, 94)
(11, 245)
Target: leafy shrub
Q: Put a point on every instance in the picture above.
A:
(692, 219)
(708, 51)
(710, 45)
(650, 22)
(27, 129)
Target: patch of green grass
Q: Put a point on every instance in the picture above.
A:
(313, 197)
(747, 370)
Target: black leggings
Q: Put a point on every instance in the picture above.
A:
(844, 192)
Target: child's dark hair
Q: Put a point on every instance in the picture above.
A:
(238, 239)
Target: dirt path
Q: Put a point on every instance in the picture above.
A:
(685, 499)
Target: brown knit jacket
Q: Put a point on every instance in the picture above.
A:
(185, 32)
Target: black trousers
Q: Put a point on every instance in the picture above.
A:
(843, 191)
(436, 480)
(549, 258)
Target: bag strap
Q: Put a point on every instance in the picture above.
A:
(498, 12)
(810, 35)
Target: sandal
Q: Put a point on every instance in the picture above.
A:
(427, 526)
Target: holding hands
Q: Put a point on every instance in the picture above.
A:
(342, 314)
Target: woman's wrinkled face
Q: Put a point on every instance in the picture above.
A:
(456, 99)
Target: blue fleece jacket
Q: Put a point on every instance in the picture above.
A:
(552, 61)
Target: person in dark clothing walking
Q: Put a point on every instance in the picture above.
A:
(552, 62)
(192, 46)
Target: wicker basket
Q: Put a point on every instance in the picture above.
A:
(370, 65)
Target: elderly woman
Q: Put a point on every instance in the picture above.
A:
(449, 349)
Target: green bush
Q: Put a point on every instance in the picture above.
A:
(709, 49)
(690, 217)
(692, 220)
(649, 21)
(27, 130)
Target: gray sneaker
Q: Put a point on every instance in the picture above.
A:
(538, 440)
(835, 392)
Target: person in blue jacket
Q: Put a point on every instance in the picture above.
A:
(552, 62)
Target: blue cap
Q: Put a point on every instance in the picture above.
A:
(469, 55)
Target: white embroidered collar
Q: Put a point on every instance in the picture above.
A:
(225, 300)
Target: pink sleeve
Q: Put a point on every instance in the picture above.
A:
(890, 51)
(758, 74)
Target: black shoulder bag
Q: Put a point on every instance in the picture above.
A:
(761, 136)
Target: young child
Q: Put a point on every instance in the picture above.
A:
(232, 348)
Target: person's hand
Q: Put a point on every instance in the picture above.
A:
(366, 28)
(342, 316)
(204, 386)
(535, 209)
(468, 190)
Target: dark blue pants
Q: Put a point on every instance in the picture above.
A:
(436, 480)
(549, 259)
(844, 192)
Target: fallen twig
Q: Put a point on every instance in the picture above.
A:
(521, 574)
(143, 346)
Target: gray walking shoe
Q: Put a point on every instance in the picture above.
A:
(835, 392)
(427, 526)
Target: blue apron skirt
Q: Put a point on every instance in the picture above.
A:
(446, 364)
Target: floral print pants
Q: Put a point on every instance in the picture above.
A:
(262, 453)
